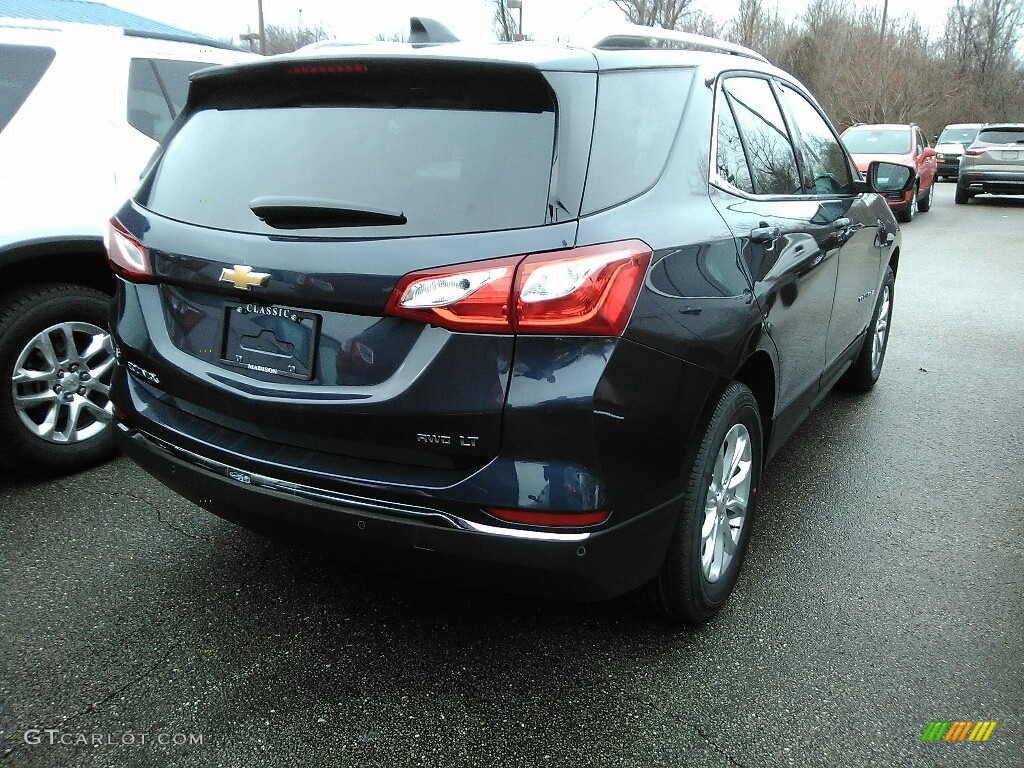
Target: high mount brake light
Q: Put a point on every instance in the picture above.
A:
(126, 255)
(327, 69)
(586, 291)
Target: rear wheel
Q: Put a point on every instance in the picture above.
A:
(56, 357)
(925, 205)
(711, 535)
(864, 372)
(962, 195)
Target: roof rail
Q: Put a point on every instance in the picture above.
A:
(635, 36)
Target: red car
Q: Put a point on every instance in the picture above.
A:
(904, 144)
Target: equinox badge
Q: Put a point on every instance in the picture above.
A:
(243, 278)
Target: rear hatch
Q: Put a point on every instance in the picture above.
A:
(283, 213)
(998, 149)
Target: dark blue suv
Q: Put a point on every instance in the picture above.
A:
(532, 318)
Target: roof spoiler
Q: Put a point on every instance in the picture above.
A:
(423, 31)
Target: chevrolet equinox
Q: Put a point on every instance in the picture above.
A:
(532, 318)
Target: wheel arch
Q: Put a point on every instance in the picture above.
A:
(79, 260)
(894, 260)
(758, 374)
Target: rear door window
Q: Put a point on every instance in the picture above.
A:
(732, 161)
(21, 68)
(763, 130)
(825, 168)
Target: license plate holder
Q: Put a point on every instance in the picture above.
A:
(279, 341)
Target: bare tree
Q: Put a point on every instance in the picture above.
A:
(701, 23)
(755, 27)
(667, 14)
(981, 54)
(504, 23)
(982, 36)
(863, 68)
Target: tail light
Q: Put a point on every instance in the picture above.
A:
(126, 255)
(582, 291)
(974, 152)
(553, 519)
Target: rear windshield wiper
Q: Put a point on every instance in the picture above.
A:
(303, 212)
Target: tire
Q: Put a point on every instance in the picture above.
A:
(926, 205)
(699, 571)
(56, 360)
(962, 196)
(867, 367)
(907, 213)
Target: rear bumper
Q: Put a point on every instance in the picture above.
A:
(417, 541)
(993, 182)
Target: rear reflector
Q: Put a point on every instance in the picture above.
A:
(581, 291)
(551, 519)
(126, 255)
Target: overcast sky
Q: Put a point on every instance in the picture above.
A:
(469, 19)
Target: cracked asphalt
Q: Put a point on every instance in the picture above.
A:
(884, 589)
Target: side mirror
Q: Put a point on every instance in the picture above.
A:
(886, 177)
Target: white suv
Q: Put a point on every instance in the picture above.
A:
(82, 108)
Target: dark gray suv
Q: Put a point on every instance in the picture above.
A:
(532, 318)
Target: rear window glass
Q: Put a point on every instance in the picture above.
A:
(637, 118)
(1013, 135)
(21, 68)
(877, 142)
(425, 153)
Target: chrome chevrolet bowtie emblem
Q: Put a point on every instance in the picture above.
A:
(243, 278)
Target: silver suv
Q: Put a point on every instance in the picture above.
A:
(994, 163)
(82, 108)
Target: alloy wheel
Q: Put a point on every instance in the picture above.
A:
(725, 509)
(881, 330)
(61, 383)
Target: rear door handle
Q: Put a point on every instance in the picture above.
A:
(764, 234)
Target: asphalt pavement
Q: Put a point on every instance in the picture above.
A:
(884, 590)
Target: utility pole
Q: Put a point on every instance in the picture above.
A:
(263, 31)
(261, 36)
(879, 59)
